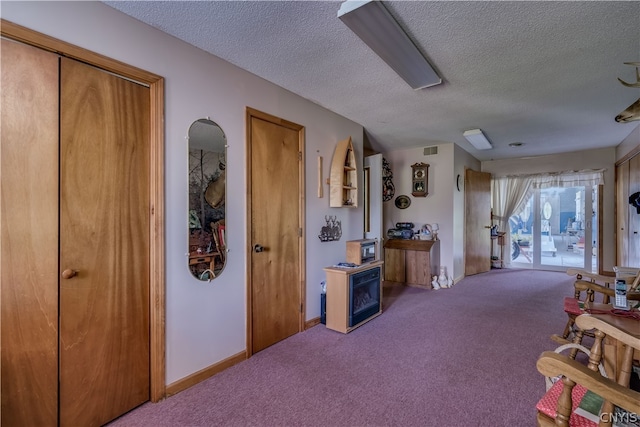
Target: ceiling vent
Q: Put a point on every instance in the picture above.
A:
(430, 151)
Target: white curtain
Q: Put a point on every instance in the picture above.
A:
(509, 193)
(568, 179)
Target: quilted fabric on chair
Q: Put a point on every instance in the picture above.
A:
(557, 406)
(549, 402)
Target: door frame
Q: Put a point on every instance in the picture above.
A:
(373, 199)
(373, 209)
(587, 259)
(156, 182)
(253, 113)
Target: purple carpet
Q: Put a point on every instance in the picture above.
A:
(463, 356)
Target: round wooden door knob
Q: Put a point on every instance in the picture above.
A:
(68, 274)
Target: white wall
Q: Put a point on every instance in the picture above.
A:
(443, 205)
(591, 159)
(206, 322)
(437, 207)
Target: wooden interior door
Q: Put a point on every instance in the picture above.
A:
(104, 239)
(29, 260)
(477, 201)
(275, 150)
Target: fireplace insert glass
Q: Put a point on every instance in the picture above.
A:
(364, 295)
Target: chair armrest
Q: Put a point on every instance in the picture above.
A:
(584, 274)
(551, 364)
(579, 273)
(587, 322)
(585, 286)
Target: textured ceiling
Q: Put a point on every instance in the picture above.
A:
(541, 73)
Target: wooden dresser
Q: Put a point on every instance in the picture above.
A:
(413, 262)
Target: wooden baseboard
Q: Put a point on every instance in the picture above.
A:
(205, 373)
(311, 323)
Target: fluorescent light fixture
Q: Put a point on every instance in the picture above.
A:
(477, 139)
(373, 23)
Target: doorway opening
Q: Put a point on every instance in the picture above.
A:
(557, 228)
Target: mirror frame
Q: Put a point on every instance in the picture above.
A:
(207, 189)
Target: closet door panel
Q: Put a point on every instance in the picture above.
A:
(634, 216)
(622, 214)
(29, 249)
(104, 237)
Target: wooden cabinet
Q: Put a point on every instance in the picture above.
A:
(413, 262)
(345, 286)
(343, 180)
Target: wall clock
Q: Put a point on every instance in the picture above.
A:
(419, 179)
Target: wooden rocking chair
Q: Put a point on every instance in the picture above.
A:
(593, 290)
(217, 230)
(558, 405)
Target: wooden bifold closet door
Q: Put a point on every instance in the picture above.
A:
(29, 186)
(75, 241)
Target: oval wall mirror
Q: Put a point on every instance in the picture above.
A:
(207, 199)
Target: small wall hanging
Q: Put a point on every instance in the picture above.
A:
(388, 189)
(403, 202)
(320, 190)
(331, 231)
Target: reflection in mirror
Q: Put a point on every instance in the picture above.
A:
(207, 189)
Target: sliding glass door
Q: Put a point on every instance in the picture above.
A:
(556, 229)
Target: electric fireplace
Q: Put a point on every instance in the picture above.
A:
(354, 295)
(364, 295)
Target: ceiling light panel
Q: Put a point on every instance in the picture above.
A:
(477, 139)
(372, 22)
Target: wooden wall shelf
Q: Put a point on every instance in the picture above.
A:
(343, 180)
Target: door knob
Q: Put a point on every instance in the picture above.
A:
(68, 274)
(258, 248)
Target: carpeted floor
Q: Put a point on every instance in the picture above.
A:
(463, 356)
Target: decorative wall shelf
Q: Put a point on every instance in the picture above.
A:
(343, 180)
